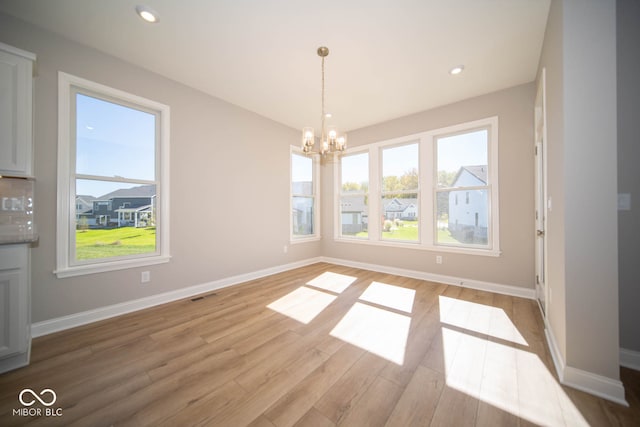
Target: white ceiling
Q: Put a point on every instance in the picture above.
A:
(388, 58)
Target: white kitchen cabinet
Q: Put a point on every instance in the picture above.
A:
(15, 306)
(16, 100)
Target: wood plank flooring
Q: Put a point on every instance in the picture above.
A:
(322, 345)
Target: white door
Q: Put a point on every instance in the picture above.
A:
(540, 193)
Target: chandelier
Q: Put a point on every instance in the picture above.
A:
(330, 141)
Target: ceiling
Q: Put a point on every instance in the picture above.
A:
(387, 58)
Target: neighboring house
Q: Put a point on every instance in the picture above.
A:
(397, 208)
(84, 207)
(468, 208)
(130, 207)
(354, 214)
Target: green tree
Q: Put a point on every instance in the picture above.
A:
(362, 187)
(445, 178)
(407, 181)
(351, 186)
(390, 183)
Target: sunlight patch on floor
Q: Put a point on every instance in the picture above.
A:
(480, 318)
(302, 304)
(389, 296)
(381, 332)
(509, 378)
(333, 282)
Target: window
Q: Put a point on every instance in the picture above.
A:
(458, 167)
(113, 147)
(354, 195)
(399, 194)
(304, 182)
(463, 168)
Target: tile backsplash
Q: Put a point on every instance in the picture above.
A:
(16, 209)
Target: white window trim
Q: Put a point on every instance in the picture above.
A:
(66, 203)
(337, 211)
(417, 191)
(316, 199)
(427, 166)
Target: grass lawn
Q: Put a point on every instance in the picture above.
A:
(409, 232)
(444, 236)
(93, 244)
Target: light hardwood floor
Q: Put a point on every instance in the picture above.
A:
(322, 345)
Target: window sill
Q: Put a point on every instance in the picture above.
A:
(297, 240)
(103, 267)
(423, 247)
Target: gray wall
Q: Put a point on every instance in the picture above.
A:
(579, 56)
(590, 161)
(229, 182)
(515, 267)
(628, 60)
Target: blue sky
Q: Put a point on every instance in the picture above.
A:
(112, 141)
(118, 141)
(454, 151)
(467, 149)
(301, 168)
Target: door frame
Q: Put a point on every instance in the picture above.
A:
(540, 195)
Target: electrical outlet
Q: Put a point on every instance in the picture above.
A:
(438, 259)
(286, 249)
(145, 277)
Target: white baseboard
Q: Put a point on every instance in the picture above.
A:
(556, 355)
(447, 280)
(604, 387)
(78, 319)
(630, 359)
(598, 385)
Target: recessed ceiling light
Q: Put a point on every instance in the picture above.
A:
(456, 70)
(148, 14)
(328, 115)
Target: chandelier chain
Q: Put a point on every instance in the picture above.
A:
(323, 115)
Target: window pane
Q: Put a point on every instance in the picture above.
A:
(302, 216)
(114, 219)
(113, 140)
(400, 217)
(354, 215)
(400, 168)
(301, 175)
(355, 173)
(462, 217)
(462, 159)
